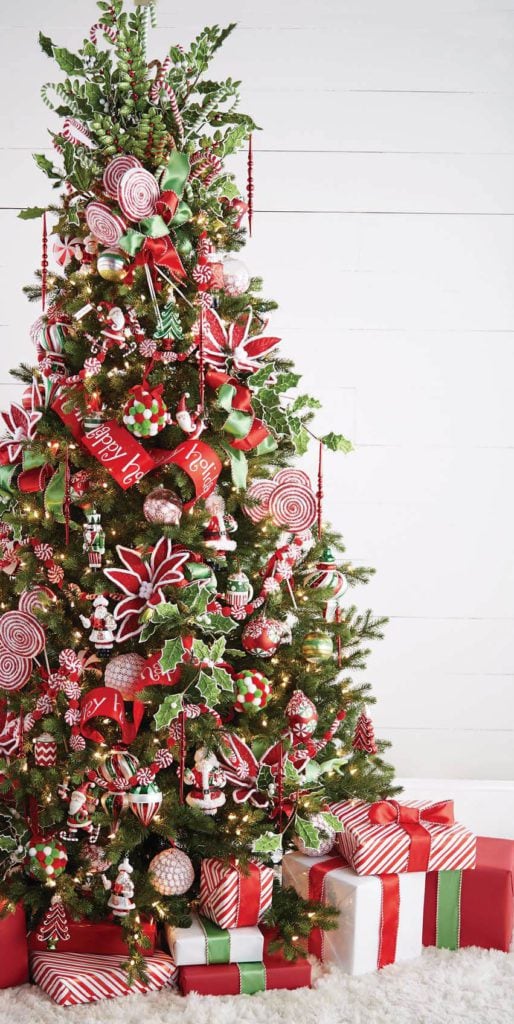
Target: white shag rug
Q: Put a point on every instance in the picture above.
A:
(471, 986)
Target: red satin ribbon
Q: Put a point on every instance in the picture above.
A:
(249, 895)
(156, 252)
(167, 205)
(32, 480)
(410, 819)
(105, 702)
(242, 402)
(389, 919)
(317, 875)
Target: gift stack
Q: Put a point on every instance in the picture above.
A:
(224, 952)
(404, 876)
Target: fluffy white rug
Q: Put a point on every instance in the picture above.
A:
(472, 986)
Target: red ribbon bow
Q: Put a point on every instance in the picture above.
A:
(411, 819)
(242, 402)
(157, 252)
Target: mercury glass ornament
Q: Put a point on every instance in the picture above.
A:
(112, 265)
(236, 277)
(171, 872)
(163, 507)
(122, 672)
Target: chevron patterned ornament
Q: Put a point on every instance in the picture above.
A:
(45, 750)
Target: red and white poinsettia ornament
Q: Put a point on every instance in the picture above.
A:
(21, 425)
(233, 346)
(142, 580)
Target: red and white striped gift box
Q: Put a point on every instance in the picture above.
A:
(234, 897)
(391, 837)
(73, 978)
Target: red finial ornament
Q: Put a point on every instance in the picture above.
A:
(201, 367)
(67, 497)
(249, 186)
(319, 494)
(44, 264)
(364, 737)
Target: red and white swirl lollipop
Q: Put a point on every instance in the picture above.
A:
(292, 477)
(138, 192)
(21, 634)
(14, 670)
(105, 225)
(293, 506)
(259, 491)
(33, 600)
(114, 172)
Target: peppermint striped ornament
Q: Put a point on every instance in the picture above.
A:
(75, 131)
(107, 30)
(105, 225)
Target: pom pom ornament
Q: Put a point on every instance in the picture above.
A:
(236, 277)
(252, 690)
(145, 413)
(45, 750)
(262, 636)
(326, 834)
(144, 801)
(45, 859)
(364, 736)
(171, 872)
(302, 716)
(317, 647)
(163, 507)
(122, 672)
(112, 265)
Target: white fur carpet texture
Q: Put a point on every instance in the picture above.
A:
(471, 986)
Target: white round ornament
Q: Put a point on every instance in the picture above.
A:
(163, 507)
(172, 872)
(236, 277)
(327, 841)
(122, 672)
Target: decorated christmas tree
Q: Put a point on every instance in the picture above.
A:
(180, 656)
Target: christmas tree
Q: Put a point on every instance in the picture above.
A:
(179, 652)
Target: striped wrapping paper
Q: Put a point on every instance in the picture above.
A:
(73, 978)
(232, 898)
(377, 849)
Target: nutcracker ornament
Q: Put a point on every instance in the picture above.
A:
(121, 900)
(102, 625)
(219, 526)
(81, 806)
(208, 780)
(94, 539)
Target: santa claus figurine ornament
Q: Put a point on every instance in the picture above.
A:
(208, 780)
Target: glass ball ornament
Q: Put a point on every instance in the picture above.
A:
(122, 672)
(327, 838)
(112, 265)
(163, 507)
(144, 801)
(236, 277)
(172, 872)
(317, 646)
(45, 859)
(119, 766)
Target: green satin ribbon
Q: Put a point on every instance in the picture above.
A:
(238, 467)
(217, 942)
(268, 445)
(176, 173)
(153, 227)
(252, 978)
(238, 423)
(54, 494)
(31, 460)
(6, 482)
(449, 884)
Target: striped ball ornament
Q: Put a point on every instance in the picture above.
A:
(119, 766)
(317, 647)
(145, 801)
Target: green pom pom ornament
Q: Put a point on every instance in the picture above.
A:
(145, 413)
(45, 859)
(252, 691)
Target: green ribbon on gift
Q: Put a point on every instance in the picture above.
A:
(449, 885)
(217, 942)
(252, 978)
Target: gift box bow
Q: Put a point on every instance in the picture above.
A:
(413, 821)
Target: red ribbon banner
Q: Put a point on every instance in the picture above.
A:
(198, 460)
(411, 819)
(105, 702)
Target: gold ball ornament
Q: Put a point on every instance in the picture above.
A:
(171, 872)
(111, 264)
(317, 646)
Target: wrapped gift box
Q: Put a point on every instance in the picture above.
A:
(245, 978)
(14, 957)
(205, 943)
(380, 918)
(104, 937)
(234, 897)
(390, 837)
(73, 978)
(473, 908)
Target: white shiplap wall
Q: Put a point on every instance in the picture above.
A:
(385, 196)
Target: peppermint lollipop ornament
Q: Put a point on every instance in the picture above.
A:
(288, 499)
(105, 225)
(138, 193)
(114, 172)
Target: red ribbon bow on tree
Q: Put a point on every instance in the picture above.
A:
(411, 819)
(156, 252)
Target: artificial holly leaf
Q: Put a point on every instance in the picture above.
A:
(305, 402)
(165, 612)
(285, 381)
(172, 654)
(235, 138)
(256, 380)
(307, 833)
(314, 770)
(31, 212)
(73, 216)
(214, 623)
(337, 443)
(265, 778)
(169, 710)
(218, 649)
(82, 177)
(208, 688)
(222, 679)
(201, 650)
(300, 439)
(267, 843)
(332, 821)
(7, 844)
(196, 598)
(46, 165)
(291, 775)
(46, 44)
(67, 61)
(229, 190)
